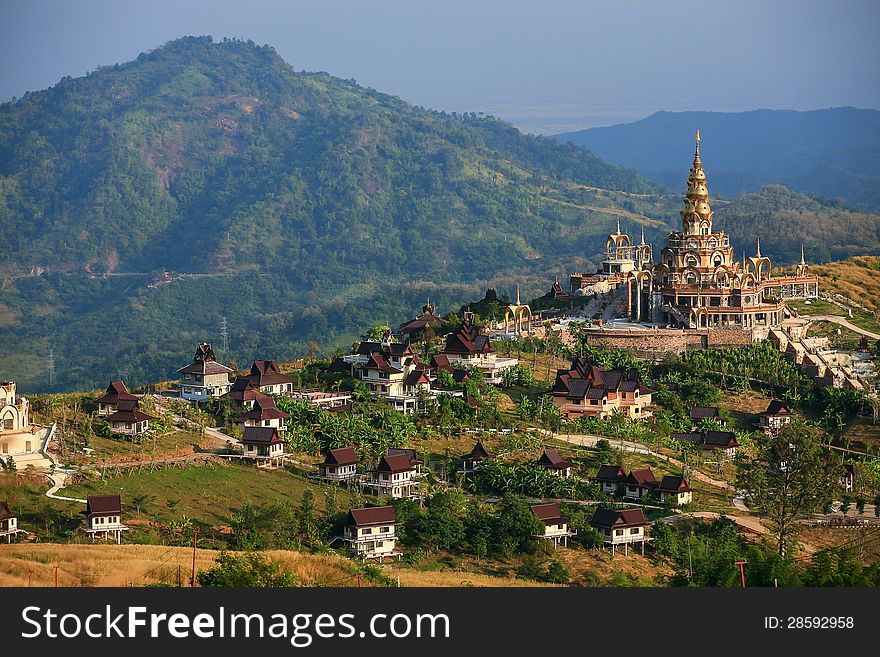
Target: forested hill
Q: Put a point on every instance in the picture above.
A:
(316, 207)
(202, 156)
(834, 153)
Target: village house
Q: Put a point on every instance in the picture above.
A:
(621, 527)
(394, 477)
(13, 408)
(204, 378)
(371, 532)
(774, 419)
(552, 460)
(266, 376)
(468, 348)
(8, 523)
(675, 490)
(129, 419)
(262, 444)
(410, 454)
(723, 440)
(440, 363)
(423, 326)
(339, 464)
(847, 479)
(612, 479)
(700, 413)
(585, 389)
(242, 393)
(391, 371)
(264, 413)
(639, 483)
(108, 403)
(471, 461)
(555, 525)
(104, 517)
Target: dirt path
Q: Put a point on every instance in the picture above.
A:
(837, 319)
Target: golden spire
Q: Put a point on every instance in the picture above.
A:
(759, 248)
(803, 262)
(697, 150)
(618, 225)
(517, 296)
(697, 211)
(643, 236)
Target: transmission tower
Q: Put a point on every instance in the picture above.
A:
(51, 367)
(224, 334)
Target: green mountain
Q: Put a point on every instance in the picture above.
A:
(834, 153)
(309, 206)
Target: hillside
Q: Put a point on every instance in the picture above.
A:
(309, 206)
(784, 220)
(833, 153)
(302, 207)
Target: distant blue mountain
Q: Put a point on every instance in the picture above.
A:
(832, 153)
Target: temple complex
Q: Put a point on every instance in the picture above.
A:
(696, 283)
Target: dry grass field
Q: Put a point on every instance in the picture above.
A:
(145, 565)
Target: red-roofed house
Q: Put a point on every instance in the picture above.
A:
(104, 517)
(555, 524)
(339, 465)
(394, 477)
(639, 483)
(774, 419)
(266, 376)
(108, 403)
(371, 532)
(204, 378)
(553, 461)
(8, 523)
(585, 389)
(262, 444)
(621, 527)
(675, 489)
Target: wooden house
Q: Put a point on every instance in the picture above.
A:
(394, 477)
(552, 460)
(675, 490)
(262, 444)
(612, 479)
(108, 403)
(104, 517)
(584, 389)
(639, 483)
(700, 413)
(371, 532)
(621, 527)
(471, 460)
(264, 413)
(129, 419)
(339, 465)
(775, 418)
(556, 527)
(8, 523)
(204, 378)
(266, 376)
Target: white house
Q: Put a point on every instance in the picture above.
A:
(339, 465)
(675, 490)
(621, 527)
(204, 378)
(8, 523)
(108, 403)
(104, 517)
(371, 532)
(262, 443)
(555, 525)
(774, 419)
(553, 461)
(394, 477)
(264, 413)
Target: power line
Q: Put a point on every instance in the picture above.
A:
(224, 334)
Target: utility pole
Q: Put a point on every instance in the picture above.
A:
(195, 538)
(224, 334)
(742, 571)
(55, 566)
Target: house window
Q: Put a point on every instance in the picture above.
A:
(618, 532)
(385, 530)
(635, 530)
(368, 530)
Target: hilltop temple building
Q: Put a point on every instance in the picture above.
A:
(696, 283)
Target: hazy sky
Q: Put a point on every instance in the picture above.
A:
(546, 65)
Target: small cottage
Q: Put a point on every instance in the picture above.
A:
(108, 403)
(553, 461)
(264, 413)
(371, 532)
(339, 465)
(394, 477)
(774, 419)
(471, 460)
(612, 479)
(204, 378)
(555, 524)
(104, 517)
(8, 523)
(129, 419)
(639, 483)
(621, 527)
(674, 490)
(262, 444)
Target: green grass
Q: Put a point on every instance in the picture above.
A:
(121, 449)
(208, 493)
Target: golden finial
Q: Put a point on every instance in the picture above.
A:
(803, 262)
(698, 135)
(618, 225)
(643, 234)
(759, 248)
(697, 150)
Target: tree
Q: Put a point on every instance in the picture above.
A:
(308, 518)
(246, 570)
(791, 474)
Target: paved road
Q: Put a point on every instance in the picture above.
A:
(747, 522)
(837, 319)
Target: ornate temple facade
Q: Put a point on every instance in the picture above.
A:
(697, 283)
